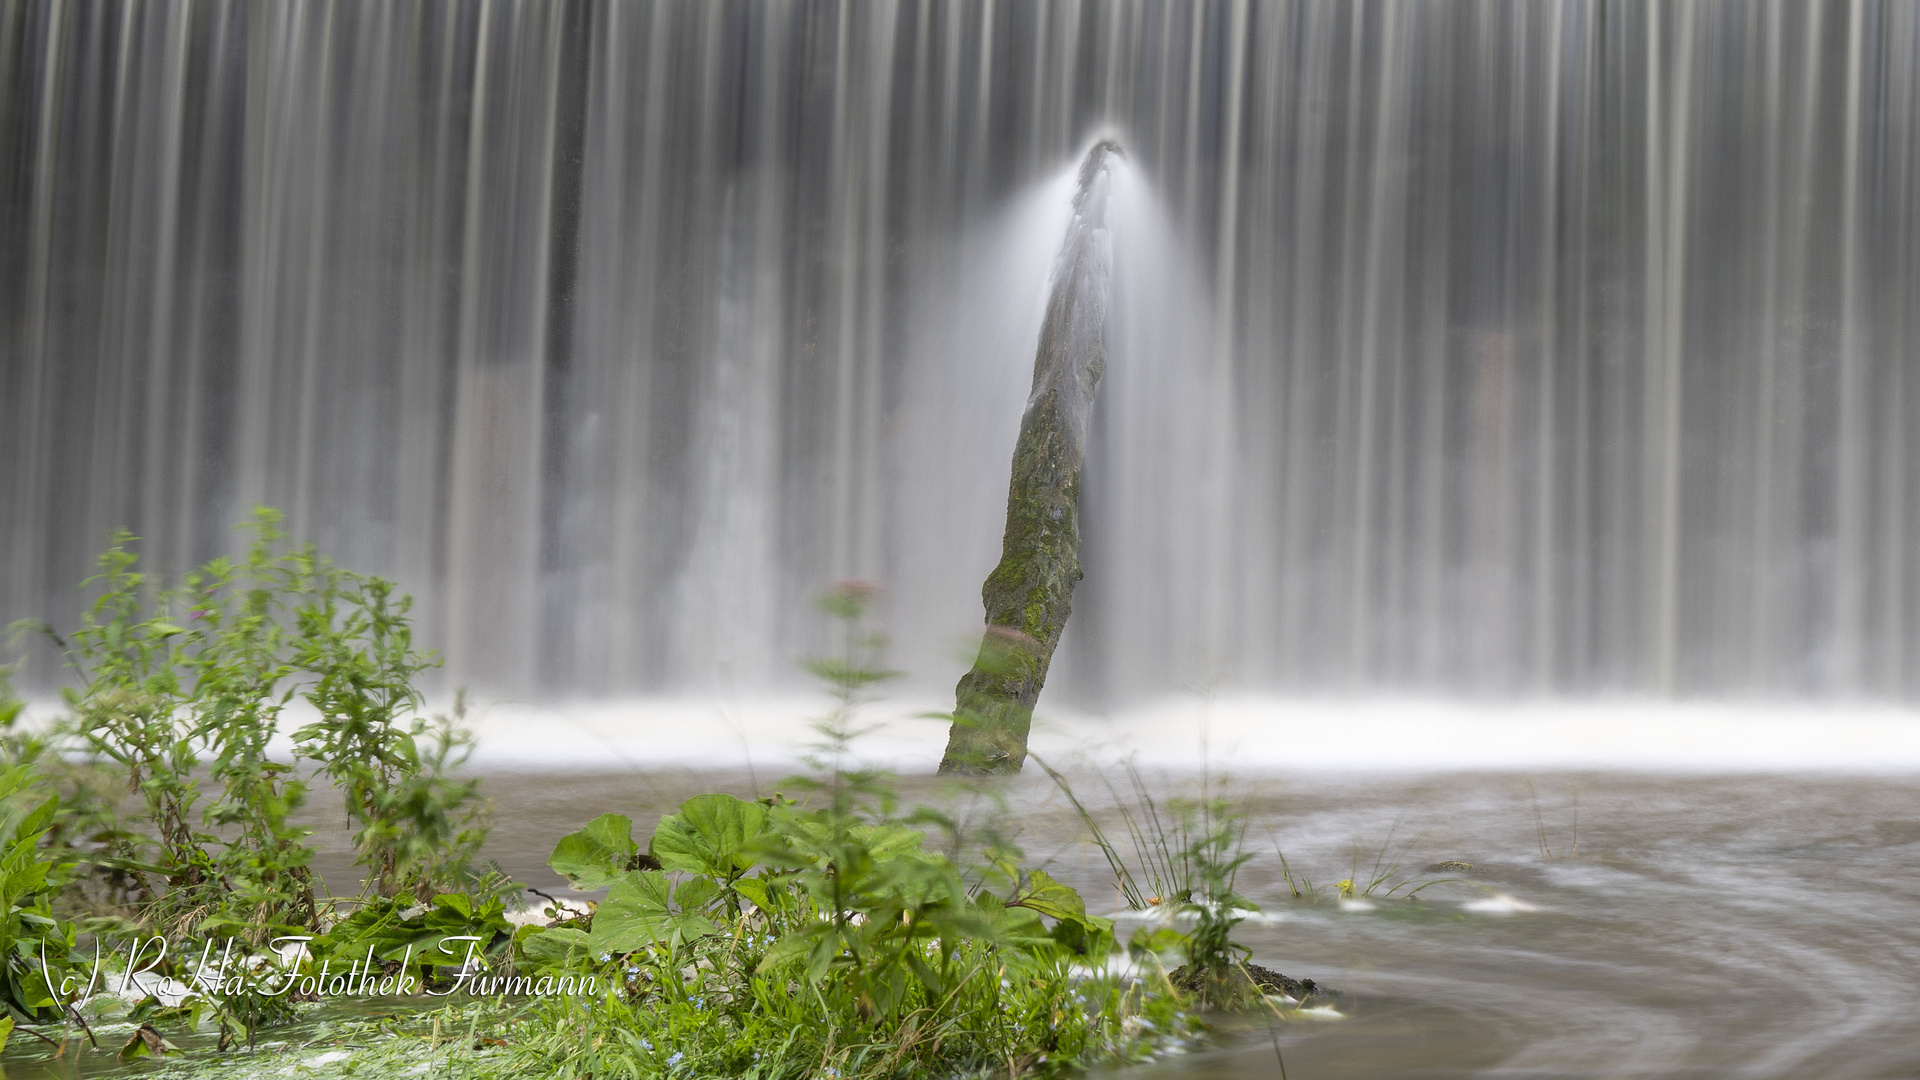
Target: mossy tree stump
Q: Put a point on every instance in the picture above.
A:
(1030, 593)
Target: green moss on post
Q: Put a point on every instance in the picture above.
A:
(1029, 595)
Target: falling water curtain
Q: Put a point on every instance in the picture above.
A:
(1560, 347)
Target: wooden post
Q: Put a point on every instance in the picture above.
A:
(1029, 595)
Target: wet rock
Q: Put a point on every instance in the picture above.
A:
(1244, 984)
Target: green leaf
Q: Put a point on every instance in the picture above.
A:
(826, 949)
(1092, 938)
(710, 835)
(635, 914)
(923, 971)
(786, 950)
(841, 673)
(891, 840)
(596, 856)
(1151, 941)
(558, 947)
(1050, 898)
(1017, 924)
(1074, 930)
(695, 894)
(755, 890)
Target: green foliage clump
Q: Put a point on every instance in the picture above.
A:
(427, 943)
(782, 940)
(35, 946)
(814, 935)
(184, 690)
(820, 936)
(1187, 855)
(418, 827)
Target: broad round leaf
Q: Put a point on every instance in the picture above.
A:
(596, 856)
(710, 835)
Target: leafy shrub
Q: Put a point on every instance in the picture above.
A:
(769, 917)
(401, 941)
(418, 827)
(785, 937)
(34, 944)
(184, 690)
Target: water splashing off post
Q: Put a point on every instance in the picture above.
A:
(1030, 593)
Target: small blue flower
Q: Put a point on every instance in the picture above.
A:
(675, 1059)
(605, 956)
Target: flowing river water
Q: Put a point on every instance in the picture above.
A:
(1613, 924)
(1648, 893)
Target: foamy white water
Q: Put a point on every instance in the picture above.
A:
(1242, 734)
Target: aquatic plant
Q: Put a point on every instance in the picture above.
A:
(819, 936)
(775, 940)
(1187, 857)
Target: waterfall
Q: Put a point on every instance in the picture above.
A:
(1561, 348)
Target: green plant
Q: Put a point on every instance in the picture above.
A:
(234, 658)
(131, 714)
(187, 685)
(1300, 885)
(85, 823)
(1382, 879)
(13, 742)
(184, 690)
(1163, 838)
(766, 938)
(786, 937)
(890, 912)
(1189, 852)
(418, 826)
(34, 945)
(1547, 851)
(1214, 853)
(1041, 1020)
(819, 935)
(427, 942)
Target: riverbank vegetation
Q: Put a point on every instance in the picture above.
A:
(160, 901)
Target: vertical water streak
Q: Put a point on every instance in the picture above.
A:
(1544, 580)
(1854, 434)
(1223, 622)
(1558, 349)
(1669, 110)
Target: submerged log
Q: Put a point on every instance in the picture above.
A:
(1029, 595)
